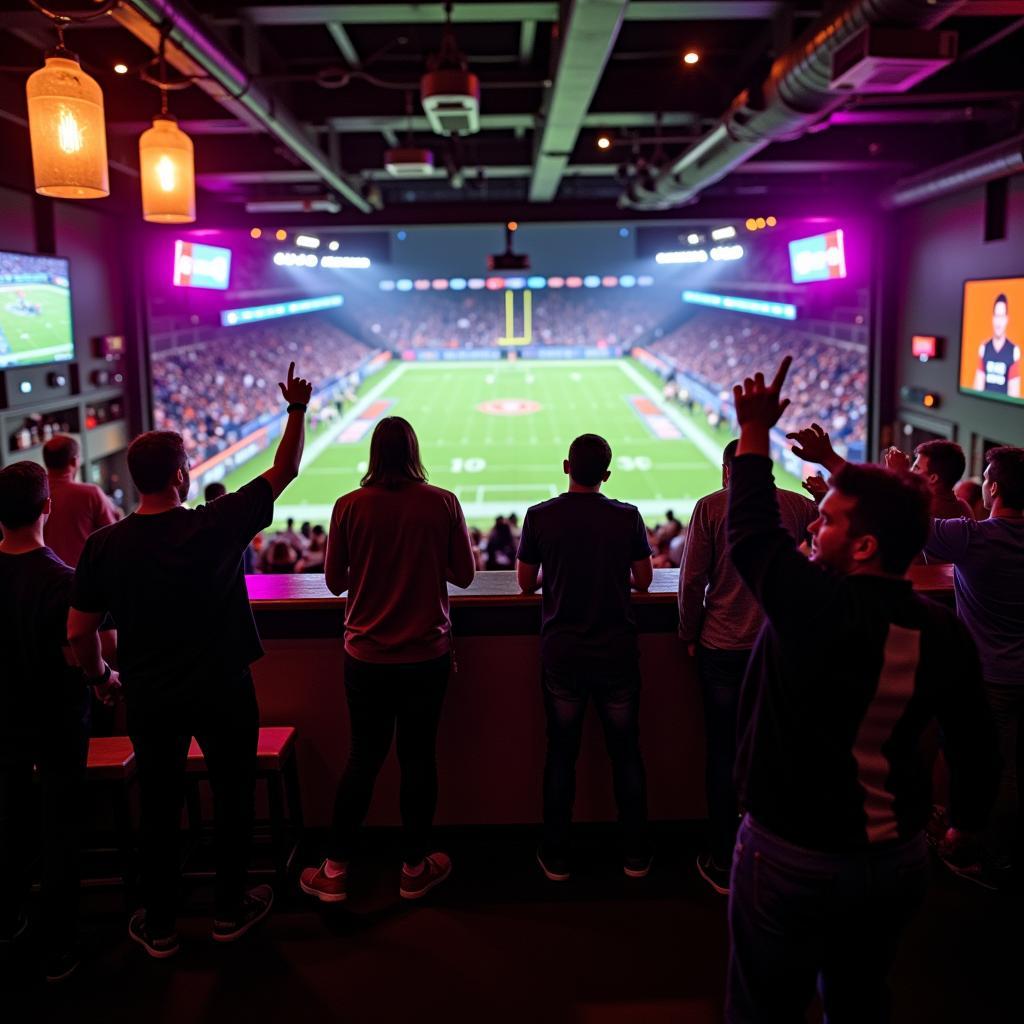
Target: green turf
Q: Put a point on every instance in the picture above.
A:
(45, 334)
(500, 464)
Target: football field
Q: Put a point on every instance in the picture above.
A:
(496, 435)
(35, 323)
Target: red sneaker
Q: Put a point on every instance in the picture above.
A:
(436, 868)
(316, 882)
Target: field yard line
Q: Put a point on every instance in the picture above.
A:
(325, 440)
(707, 447)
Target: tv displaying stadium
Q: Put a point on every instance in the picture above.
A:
(35, 310)
(499, 372)
(990, 344)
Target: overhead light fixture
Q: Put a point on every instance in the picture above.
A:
(727, 253)
(121, 69)
(280, 234)
(307, 241)
(334, 246)
(751, 224)
(168, 173)
(67, 129)
(322, 204)
(761, 223)
(603, 142)
(256, 233)
(693, 238)
(770, 221)
(691, 57)
(513, 225)
(720, 234)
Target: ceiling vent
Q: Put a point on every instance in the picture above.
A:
(409, 162)
(890, 60)
(449, 91)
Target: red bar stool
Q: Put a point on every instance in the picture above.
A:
(110, 769)
(277, 766)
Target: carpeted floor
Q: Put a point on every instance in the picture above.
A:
(498, 943)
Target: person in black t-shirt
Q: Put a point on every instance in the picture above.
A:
(44, 720)
(591, 549)
(172, 578)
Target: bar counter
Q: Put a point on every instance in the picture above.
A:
(492, 737)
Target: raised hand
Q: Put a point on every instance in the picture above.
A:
(295, 390)
(896, 461)
(812, 444)
(816, 486)
(758, 404)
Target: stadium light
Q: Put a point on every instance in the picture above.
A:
(254, 314)
(167, 170)
(307, 242)
(296, 259)
(280, 234)
(256, 233)
(727, 252)
(738, 304)
(720, 234)
(386, 286)
(683, 256)
(770, 221)
(345, 262)
(334, 246)
(693, 238)
(67, 130)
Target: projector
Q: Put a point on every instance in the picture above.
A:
(508, 261)
(890, 60)
(409, 162)
(451, 101)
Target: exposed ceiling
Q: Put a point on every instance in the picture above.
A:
(307, 98)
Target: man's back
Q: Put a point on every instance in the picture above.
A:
(586, 545)
(78, 511)
(173, 582)
(715, 606)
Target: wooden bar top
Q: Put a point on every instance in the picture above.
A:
(499, 589)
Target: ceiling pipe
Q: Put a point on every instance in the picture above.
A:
(998, 161)
(793, 99)
(187, 33)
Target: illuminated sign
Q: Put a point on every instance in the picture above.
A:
(738, 304)
(497, 284)
(924, 347)
(201, 266)
(254, 314)
(818, 258)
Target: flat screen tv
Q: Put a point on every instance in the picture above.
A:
(992, 339)
(35, 310)
(201, 266)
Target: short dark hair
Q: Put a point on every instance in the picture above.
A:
(945, 459)
(154, 458)
(23, 493)
(1001, 297)
(214, 491)
(590, 455)
(729, 452)
(60, 451)
(1006, 468)
(894, 508)
(394, 455)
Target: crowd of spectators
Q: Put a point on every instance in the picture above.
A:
(209, 391)
(828, 380)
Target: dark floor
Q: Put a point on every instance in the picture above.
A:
(500, 943)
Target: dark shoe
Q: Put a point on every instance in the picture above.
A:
(717, 877)
(554, 866)
(160, 947)
(256, 904)
(60, 966)
(437, 867)
(637, 865)
(316, 882)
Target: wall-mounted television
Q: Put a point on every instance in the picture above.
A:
(35, 310)
(818, 258)
(201, 266)
(992, 339)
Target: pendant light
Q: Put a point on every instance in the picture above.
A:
(67, 129)
(167, 164)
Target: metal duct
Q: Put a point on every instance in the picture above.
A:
(793, 98)
(999, 161)
(192, 38)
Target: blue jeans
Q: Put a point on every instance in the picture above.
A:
(799, 918)
(616, 696)
(721, 676)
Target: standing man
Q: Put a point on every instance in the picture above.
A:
(172, 578)
(941, 463)
(718, 621)
(591, 549)
(78, 509)
(999, 360)
(847, 673)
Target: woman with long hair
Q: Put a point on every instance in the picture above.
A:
(394, 544)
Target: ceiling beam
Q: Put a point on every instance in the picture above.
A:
(344, 43)
(527, 38)
(588, 36)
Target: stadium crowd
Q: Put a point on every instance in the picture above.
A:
(604, 317)
(828, 864)
(208, 393)
(829, 380)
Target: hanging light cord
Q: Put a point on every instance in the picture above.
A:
(62, 19)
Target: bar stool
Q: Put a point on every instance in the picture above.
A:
(110, 770)
(277, 766)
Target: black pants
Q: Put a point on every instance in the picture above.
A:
(721, 676)
(1005, 838)
(227, 729)
(385, 701)
(616, 696)
(53, 813)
